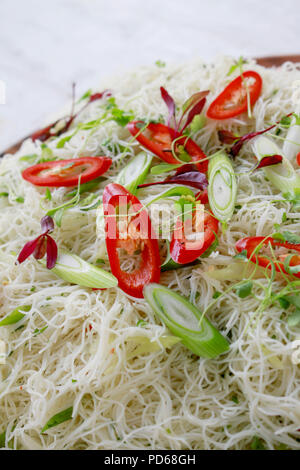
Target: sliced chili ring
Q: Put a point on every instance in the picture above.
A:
(160, 141)
(115, 199)
(66, 172)
(233, 99)
(185, 251)
(251, 244)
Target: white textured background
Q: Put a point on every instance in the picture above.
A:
(45, 45)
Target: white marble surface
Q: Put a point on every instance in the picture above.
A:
(45, 45)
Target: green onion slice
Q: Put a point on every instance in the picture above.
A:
(222, 187)
(135, 172)
(59, 418)
(183, 320)
(15, 316)
(283, 176)
(73, 269)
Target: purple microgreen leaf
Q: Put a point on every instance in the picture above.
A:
(47, 224)
(227, 137)
(192, 178)
(195, 179)
(239, 143)
(192, 103)
(51, 252)
(268, 161)
(99, 96)
(196, 109)
(28, 249)
(40, 249)
(170, 104)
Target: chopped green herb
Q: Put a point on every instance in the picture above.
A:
(283, 302)
(257, 444)
(160, 63)
(216, 295)
(59, 418)
(19, 199)
(242, 255)
(29, 158)
(237, 64)
(141, 323)
(48, 194)
(294, 318)
(33, 289)
(39, 331)
(235, 399)
(4, 194)
(243, 290)
(286, 121)
(197, 123)
(86, 95)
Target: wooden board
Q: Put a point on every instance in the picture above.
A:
(270, 61)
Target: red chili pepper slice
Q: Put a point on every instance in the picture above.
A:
(298, 158)
(233, 99)
(131, 232)
(66, 172)
(160, 141)
(185, 251)
(250, 244)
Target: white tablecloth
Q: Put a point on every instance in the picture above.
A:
(45, 45)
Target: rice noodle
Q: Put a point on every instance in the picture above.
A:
(168, 398)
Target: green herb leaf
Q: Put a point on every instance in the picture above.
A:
(257, 444)
(294, 318)
(216, 295)
(141, 323)
(4, 194)
(242, 255)
(15, 316)
(291, 237)
(284, 303)
(61, 143)
(59, 418)
(86, 95)
(197, 123)
(238, 64)
(286, 121)
(244, 289)
(38, 331)
(48, 194)
(164, 168)
(85, 187)
(29, 158)
(19, 199)
(160, 63)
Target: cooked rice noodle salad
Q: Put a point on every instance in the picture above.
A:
(101, 362)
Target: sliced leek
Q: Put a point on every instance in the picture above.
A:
(283, 176)
(185, 321)
(73, 269)
(135, 172)
(291, 145)
(222, 187)
(15, 316)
